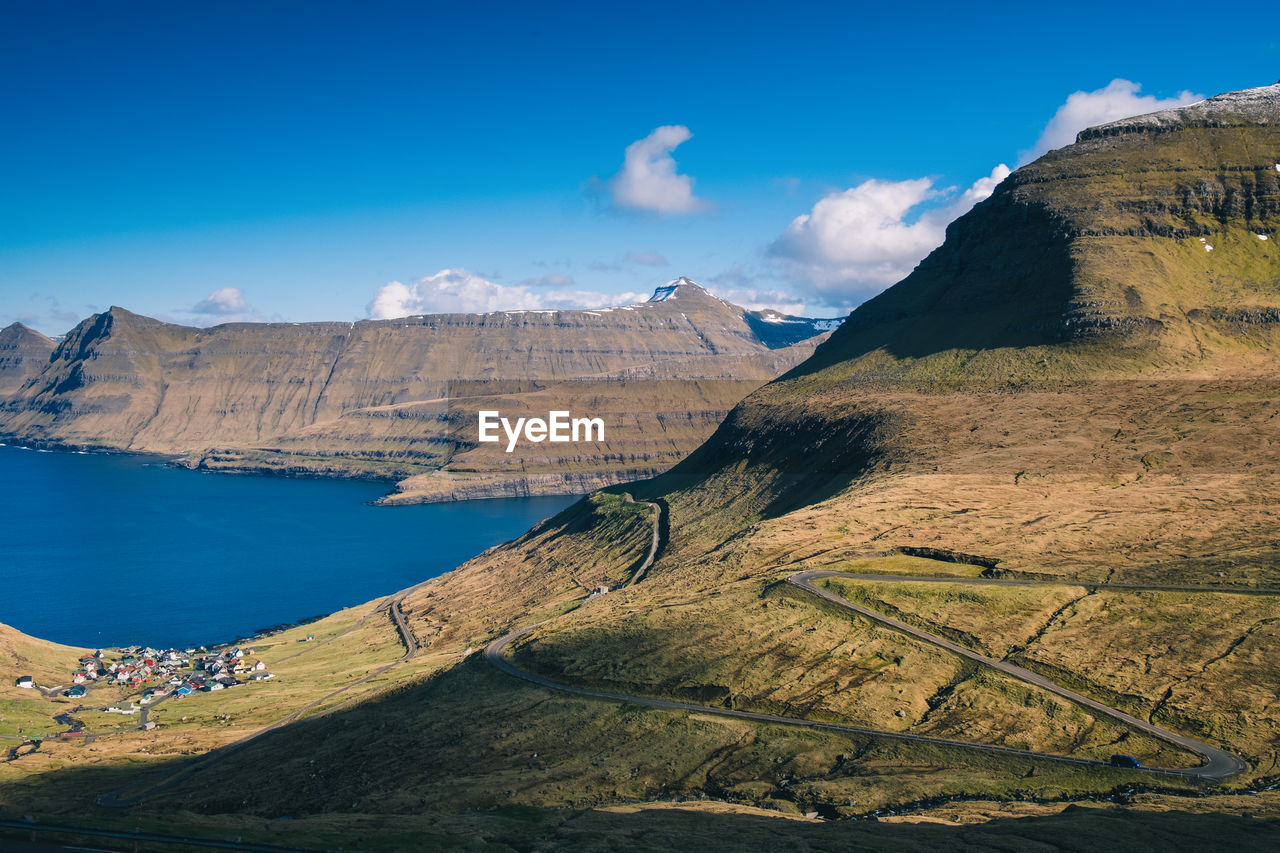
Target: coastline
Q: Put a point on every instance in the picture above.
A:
(172, 560)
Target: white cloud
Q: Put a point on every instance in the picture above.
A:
(1118, 99)
(855, 243)
(454, 291)
(648, 179)
(224, 302)
(979, 191)
(648, 259)
(224, 305)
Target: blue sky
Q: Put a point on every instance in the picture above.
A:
(288, 160)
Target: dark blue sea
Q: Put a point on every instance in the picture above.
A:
(118, 549)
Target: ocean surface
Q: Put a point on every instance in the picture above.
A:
(118, 549)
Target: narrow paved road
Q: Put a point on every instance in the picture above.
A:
(1093, 585)
(1219, 765)
(659, 518)
(495, 654)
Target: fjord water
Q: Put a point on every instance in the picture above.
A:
(117, 549)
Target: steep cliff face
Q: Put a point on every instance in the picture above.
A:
(1138, 264)
(23, 353)
(389, 398)
(1146, 247)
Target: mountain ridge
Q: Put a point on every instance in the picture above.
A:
(1148, 253)
(1259, 105)
(23, 354)
(397, 398)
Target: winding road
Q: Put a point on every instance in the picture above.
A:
(659, 521)
(1218, 765)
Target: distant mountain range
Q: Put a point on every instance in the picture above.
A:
(398, 398)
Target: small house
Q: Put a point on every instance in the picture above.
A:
(25, 681)
(76, 691)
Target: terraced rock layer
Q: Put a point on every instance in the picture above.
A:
(24, 353)
(396, 398)
(1145, 249)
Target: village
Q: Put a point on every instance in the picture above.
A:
(153, 675)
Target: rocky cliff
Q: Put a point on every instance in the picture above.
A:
(1147, 247)
(397, 398)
